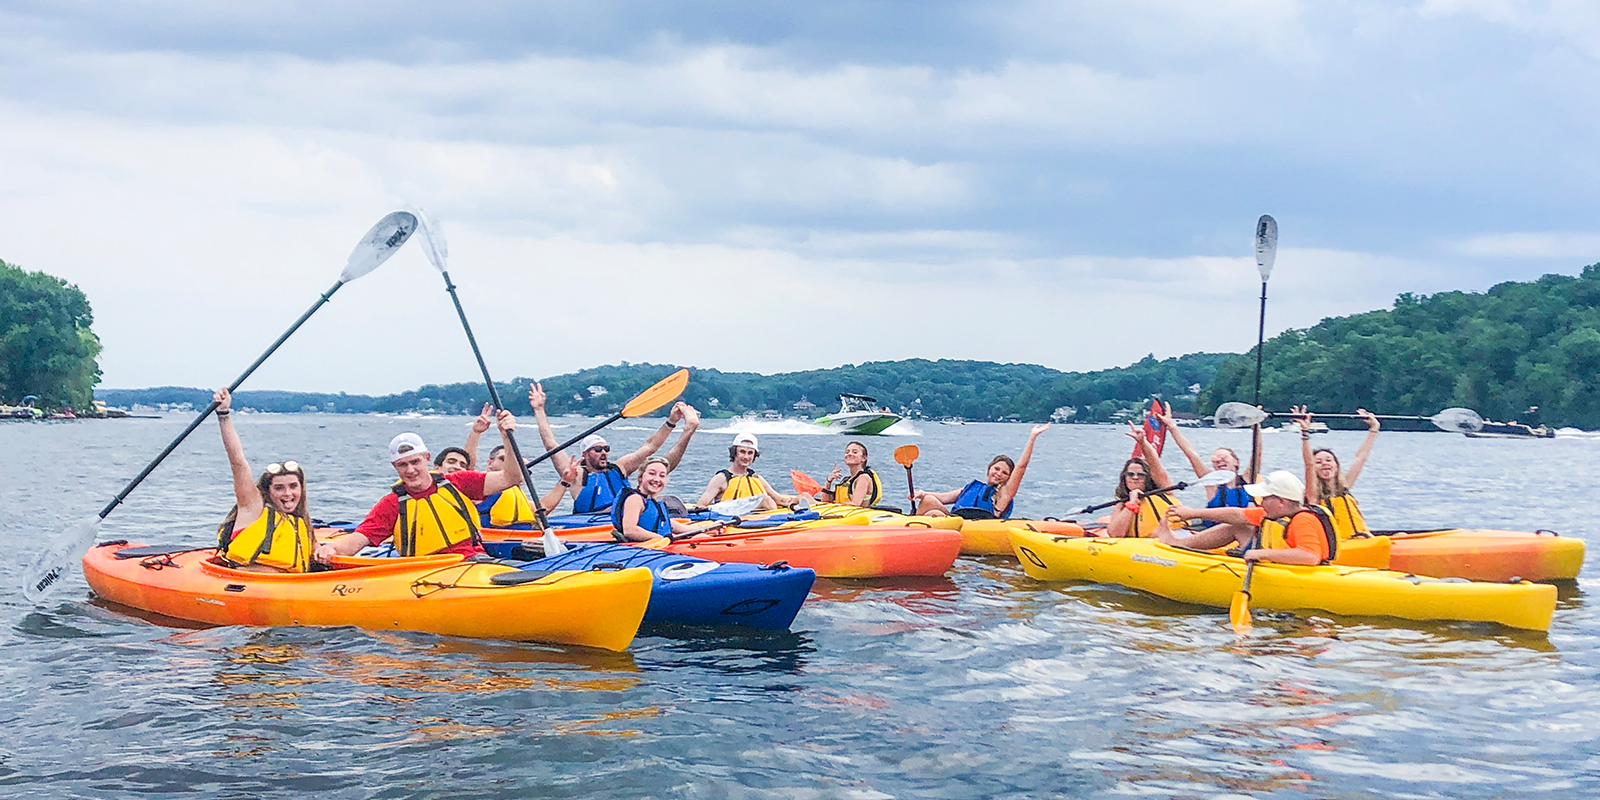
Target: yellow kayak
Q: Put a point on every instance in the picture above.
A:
(992, 537)
(1210, 579)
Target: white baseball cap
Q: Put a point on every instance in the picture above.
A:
(591, 441)
(405, 445)
(746, 440)
(1281, 483)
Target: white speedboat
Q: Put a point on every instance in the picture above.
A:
(860, 415)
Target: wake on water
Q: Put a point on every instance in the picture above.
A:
(795, 427)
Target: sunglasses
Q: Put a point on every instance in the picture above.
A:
(283, 466)
(600, 448)
(1134, 475)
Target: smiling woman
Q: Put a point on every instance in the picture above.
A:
(46, 346)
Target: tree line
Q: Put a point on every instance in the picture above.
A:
(46, 346)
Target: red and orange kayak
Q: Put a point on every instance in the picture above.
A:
(438, 594)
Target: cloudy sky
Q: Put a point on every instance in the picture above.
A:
(779, 186)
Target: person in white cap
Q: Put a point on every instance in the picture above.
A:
(604, 478)
(425, 512)
(739, 480)
(1307, 535)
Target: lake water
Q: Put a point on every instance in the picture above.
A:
(984, 684)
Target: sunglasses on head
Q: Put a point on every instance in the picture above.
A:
(283, 466)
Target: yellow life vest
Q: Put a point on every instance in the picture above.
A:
(434, 523)
(273, 540)
(510, 507)
(841, 493)
(747, 485)
(1345, 514)
(1152, 508)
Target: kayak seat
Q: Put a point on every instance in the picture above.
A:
(518, 577)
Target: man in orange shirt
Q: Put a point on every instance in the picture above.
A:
(1308, 533)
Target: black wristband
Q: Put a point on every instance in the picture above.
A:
(568, 485)
(223, 412)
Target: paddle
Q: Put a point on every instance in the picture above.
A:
(1244, 415)
(1266, 256)
(438, 250)
(1239, 609)
(45, 573)
(1213, 478)
(804, 484)
(905, 455)
(661, 393)
(739, 507)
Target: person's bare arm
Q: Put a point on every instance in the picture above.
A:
(1360, 459)
(859, 490)
(635, 459)
(691, 423)
(714, 489)
(510, 473)
(1302, 420)
(245, 493)
(1159, 479)
(1122, 517)
(552, 498)
(345, 544)
(632, 507)
(547, 435)
(1283, 555)
(1195, 462)
(484, 420)
(1008, 490)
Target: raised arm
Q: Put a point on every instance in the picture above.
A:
(245, 493)
(1195, 462)
(1302, 420)
(691, 423)
(635, 459)
(479, 425)
(547, 435)
(552, 498)
(1008, 490)
(1158, 474)
(510, 473)
(1364, 450)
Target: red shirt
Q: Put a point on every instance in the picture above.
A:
(1304, 531)
(380, 521)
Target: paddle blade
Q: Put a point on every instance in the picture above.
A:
(381, 242)
(734, 508)
(905, 455)
(803, 484)
(1216, 477)
(552, 545)
(1239, 415)
(665, 391)
(434, 245)
(50, 569)
(1239, 612)
(1266, 245)
(1458, 420)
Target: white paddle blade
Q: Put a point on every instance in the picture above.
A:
(552, 545)
(50, 569)
(734, 508)
(1239, 415)
(1458, 420)
(433, 242)
(1216, 477)
(1266, 245)
(381, 242)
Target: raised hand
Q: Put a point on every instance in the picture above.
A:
(1302, 417)
(506, 422)
(536, 396)
(1135, 432)
(691, 417)
(223, 399)
(570, 474)
(484, 420)
(1371, 419)
(1038, 429)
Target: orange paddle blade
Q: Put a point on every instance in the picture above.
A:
(665, 391)
(905, 455)
(1239, 612)
(803, 484)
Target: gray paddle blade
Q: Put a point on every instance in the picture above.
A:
(50, 569)
(1239, 415)
(1216, 477)
(1458, 420)
(380, 242)
(433, 241)
(733, 508)
(1266, 245)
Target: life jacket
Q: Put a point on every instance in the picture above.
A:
(841, 493)
(1274, 532)
(273, 540)
(1346, 515)
(600, 490)
(653, 517)
(746, 485)
(976, 501)
(431, 524)
(505, 508)
(1152, 509)
(1230, 497)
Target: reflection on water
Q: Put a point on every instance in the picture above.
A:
(980, 684)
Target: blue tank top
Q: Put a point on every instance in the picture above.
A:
(653, 517)
(600, 490)
(978, 498)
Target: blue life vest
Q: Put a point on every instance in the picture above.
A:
(976, 501)
(653, 517)
(1230, 497)
(600, 490)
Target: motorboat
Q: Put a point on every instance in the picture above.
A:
(860, 415)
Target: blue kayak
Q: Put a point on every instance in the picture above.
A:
(767, 520)
(689, 590)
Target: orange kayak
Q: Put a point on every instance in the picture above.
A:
(837, 551)
(1486, 555)
(438, 594)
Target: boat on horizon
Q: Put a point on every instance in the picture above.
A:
(859, 414)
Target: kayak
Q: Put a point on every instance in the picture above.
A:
(992, 537)
(1485, 555)
(689, 590)
(838, 551)
(1211, 579)
(1369, 551)
(438, 594)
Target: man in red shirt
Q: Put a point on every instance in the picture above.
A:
(426, 512)
(1309, 534)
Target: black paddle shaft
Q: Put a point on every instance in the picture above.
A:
(574, 440)
(1176, 487)
(494, 399)
(1261, 337)
(149, 468)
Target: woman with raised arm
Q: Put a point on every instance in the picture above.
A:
(1142, 508)
(1326, 484)
(986, 499)
(1231, 494)
(268, 529)
(639, 515)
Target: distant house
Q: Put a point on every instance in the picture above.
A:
(804, 406)
(596, 390)
(713, 402)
